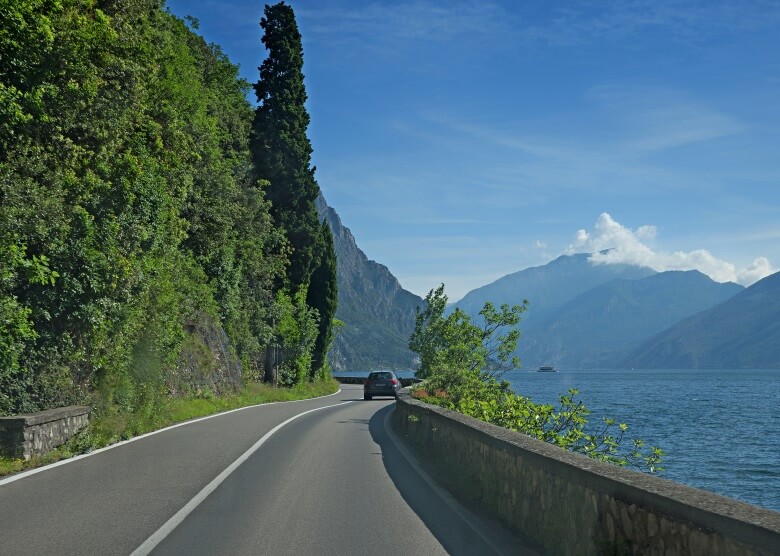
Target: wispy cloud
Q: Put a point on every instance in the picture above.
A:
(438, 221)
(400, 22)
(612, 243)
(654, 118)
(567, 24)
(685, 21)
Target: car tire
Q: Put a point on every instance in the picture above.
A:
(366, 396)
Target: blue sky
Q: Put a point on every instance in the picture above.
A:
(464, 140)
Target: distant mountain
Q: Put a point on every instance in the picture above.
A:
(378, 313)
(598, 327)
(550, 286)
(742, 332)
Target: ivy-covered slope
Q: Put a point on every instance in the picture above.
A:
(137, 256)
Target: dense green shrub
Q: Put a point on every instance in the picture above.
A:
(137, 250)
(462, 363)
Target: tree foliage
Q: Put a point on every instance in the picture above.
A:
(281, 149)
(135, 237)
(281, 152)
(462, 363)
(454, 350)
(322, 296)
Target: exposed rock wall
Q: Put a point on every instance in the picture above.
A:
(378, 314)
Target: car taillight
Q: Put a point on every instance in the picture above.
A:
(394, 382)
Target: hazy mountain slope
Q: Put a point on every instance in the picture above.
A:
(378, 313)
(742, 332)
(548, 287)
(588, 330)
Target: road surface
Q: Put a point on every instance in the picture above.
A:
(322, 476)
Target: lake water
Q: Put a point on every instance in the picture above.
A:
(720, 429)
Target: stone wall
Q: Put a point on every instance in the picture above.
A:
(23, 436)
(567, 503)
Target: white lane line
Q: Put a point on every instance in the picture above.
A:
(159, 535)
(24, 474)
(468, 518)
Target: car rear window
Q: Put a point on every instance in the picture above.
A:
(375, 376)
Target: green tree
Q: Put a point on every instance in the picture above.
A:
(461, 363)
(297, 330)
(281, 151)
(281, 154)
(125, 173)
(454, 351)
(323, 296)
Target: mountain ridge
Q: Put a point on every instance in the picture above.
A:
(548, 286)
(598, 327)
(587, 315)
(741, 332)
(378, 313)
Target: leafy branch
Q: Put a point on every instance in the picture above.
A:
(462, 363)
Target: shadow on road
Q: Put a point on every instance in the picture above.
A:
(459, 530)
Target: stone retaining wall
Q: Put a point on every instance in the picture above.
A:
(567, 503)
(23, 436)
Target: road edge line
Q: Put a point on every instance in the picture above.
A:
(29, 472)
(440, 491)
(158, 536)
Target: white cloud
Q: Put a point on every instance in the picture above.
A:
(540, 244)
(612, 243)
(646, 233)
(760, 268)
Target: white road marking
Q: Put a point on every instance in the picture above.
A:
(24, 474)
(159, 535)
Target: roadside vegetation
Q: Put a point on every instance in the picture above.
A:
(462, 363)
(161, 257)
(158, 234)
(114, 425)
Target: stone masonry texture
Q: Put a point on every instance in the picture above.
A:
(31, 434)
(567, 503)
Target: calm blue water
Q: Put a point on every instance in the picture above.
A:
(720, 429)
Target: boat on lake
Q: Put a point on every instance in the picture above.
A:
(546, 369)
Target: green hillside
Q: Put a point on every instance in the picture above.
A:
(139, 257)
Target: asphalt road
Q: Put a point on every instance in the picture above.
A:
(323, 476)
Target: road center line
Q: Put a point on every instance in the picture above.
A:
(158, 536)
(36, 470)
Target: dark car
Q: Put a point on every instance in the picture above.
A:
(381, 383)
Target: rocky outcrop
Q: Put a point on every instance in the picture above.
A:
(378, 314)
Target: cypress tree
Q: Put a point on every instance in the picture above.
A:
(323, 296)
(281, 150)
(281, 153)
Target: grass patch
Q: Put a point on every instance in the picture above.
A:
(10, 465)
(112, 424)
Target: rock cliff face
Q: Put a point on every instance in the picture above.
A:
(378, 314)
